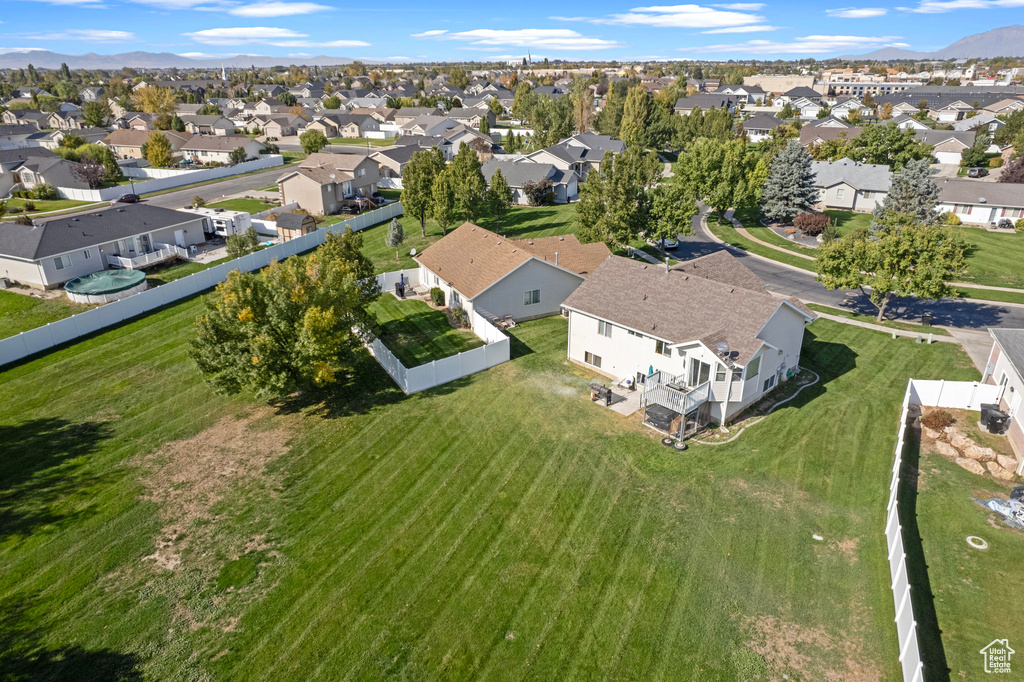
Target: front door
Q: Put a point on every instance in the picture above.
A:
(1014, 405)
(179, 238)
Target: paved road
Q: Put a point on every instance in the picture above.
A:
(790, 282)
(216, 190)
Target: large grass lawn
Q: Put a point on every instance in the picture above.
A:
(363, 141)
(500, 527)
(417, 333)
(20, 312)
(247, 205)
(43, 205)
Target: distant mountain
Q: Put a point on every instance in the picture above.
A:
(154, 60)
(1007, 41)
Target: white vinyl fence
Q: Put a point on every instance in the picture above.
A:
(55, 333)
(162, 179)
(965, 395)
(497, 349)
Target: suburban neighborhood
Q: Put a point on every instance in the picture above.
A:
(627, 347)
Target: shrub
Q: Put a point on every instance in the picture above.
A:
(460, 316)
(11, 210)
(539, 193)
(829, 234)
(30, 206)
(23, 220)
(811, 224)
(937, 420)
(198, 201)
(44, 192)
(949, 219)
(1019, 225)
(995, 162)
(437, 297)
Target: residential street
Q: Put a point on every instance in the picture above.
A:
(216, 190)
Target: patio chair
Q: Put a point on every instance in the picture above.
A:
(509, 322)
(496, 321)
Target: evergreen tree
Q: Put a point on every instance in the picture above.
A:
(913, 192)
(485, 125)
(395, 235)
(499, 197)
(790, 188)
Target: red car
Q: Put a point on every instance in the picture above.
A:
(127, 199)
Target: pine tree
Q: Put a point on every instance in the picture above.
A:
(395, 235)
(913, 192)
(790, 187)
(485, 125)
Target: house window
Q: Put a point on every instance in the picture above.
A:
(840, 193)
(720, 373)
(753, 367)
(700, 372)
(604, 328)
(768, 383)
(737, 374)
(531, 297)
(592, 359)
(662, 348)
(633, 333)
(454, 300)
(87, 254)
(61, 262)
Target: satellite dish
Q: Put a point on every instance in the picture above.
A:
(722, 347)
(413, 252)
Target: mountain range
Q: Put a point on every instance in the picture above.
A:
(154, 60)
(1007, 41)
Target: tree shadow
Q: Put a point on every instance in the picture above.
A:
(694, 247)
(929, 634)
(24, 655)
(954, 312)
(521, 222)
(828, 360)
(38, 472)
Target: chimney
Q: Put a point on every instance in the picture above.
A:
(556, 258)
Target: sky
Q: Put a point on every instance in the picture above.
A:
(443, 30)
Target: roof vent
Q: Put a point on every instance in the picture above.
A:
(982, 200)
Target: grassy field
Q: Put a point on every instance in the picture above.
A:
(500, 527)
(417, 333)
(43, 206)
(729, 235)
(891, 324)
(362, 141)
(247, 205)
(20, 312)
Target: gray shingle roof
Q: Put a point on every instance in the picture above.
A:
(517, 174)
(1011, 341)
(600, 143)
(704, 102)
(762, 122)
(864, 176)
(957, 191)
(68, 233)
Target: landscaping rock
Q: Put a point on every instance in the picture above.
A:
(971, 465)
(947, 450)
(930, 433)
(1008, 463)
(975, 451)
(999, 472)
(959, 440)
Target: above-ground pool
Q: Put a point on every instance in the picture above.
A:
(106, 286)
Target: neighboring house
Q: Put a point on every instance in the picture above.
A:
(208, 125)
(564, 184)
(743, 94)
(32, 117)
(1005, 106)
(92, 94)
(981, 203)
(279, 125)
(381, 114)
(951, 112)
(595, 146)
(218, 148)
(183, 109)
(707, 321)
(17, 136)
(806, 109)
(760, 127)
(428, 125)
(686, 105)
(799, 92)
(1005, 368)
(812, 136)
(851, 185)
(323, 183)
(843, 109)
(345, 125)
(54, 251)
(472, 117)
(63, 120)
(294, 225)
(392, 162)
(948, 144)
(904, 122)
(141, 121)
(426, 142)
(981, 120)
(494, 276)
(407, 114)
(11, 160)
(127, 143)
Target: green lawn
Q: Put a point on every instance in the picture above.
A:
(500, 527)
(247, 205)
(417, 333)
(891, 324)
(362, 141)
(43, 206)
(729, 235)
(20, 312)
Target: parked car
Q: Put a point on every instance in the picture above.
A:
(126, 199)
(977, 173)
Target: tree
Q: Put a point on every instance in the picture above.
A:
(615, 201)
(312, 141)
(540, 192)
(868, 101)
(900, 259)
(912, 192)
(418, 184)
(976, 154)
(634, 129)
(496, 108)
(239, 245)
(169, 122)
(787, 111)
(332, 102)
(443, 193)
(831, 150)
(885, 113)
(238, 155)
(610, 118)
(468, 183)
(95, 114)
(155, 100)
(887, 145)
(552, 120)
(790, 186)
(1014, 171)
(395, 235)
(210, 110)
(198, 201)
(673, 209)
(523, 102)
(853, 116)
(499, 197)
(293, 327)
(485, 125)
(719, 173)
(72, 141)
(287, 99)
(582, 104)
(89, 172)
(158, 150)
(103, 155)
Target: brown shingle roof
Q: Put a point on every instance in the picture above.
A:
(471, 258)
(129, 137)
(678, 306)
(219, 143)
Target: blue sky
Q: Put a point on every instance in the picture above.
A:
(403, 30)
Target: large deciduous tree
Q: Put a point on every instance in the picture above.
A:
(719, 173)
(155, 100)
(636, 118)
(615, 201)
(291, 327)
(1014, 171)
(312, 141)
(158, 150)
(443, 207)
(672, 211)
(418, 184)
(96, 114)
(499, 197)
(887, 145)
(790, 188)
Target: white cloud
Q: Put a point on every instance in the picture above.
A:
(808, 45)
(274, 8)
(4, 50)
(742, 6)
(681, 16)
(85, 4)
(743, 29)
(857, 12)
(547, 38)
(202, 55)
(279, 37)
(942, 6)
(329, 43)
(92, 35)
(299, 55)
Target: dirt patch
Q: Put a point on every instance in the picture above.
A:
(801, 653)
(186, 478)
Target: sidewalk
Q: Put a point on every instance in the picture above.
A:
(888, 330)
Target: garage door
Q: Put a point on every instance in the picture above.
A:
(948, 157)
